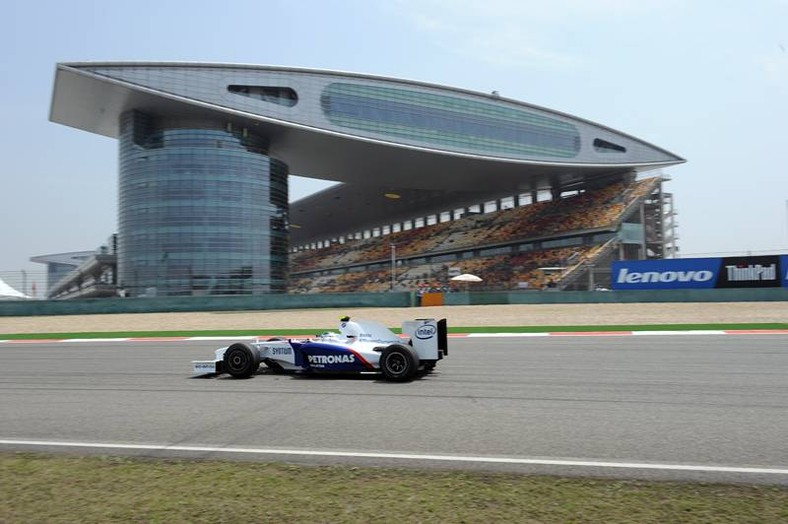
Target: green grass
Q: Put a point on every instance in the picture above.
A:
(312, 332)
(42, 488)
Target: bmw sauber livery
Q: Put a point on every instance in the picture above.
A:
(359, 347)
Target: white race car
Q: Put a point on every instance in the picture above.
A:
(359, 347)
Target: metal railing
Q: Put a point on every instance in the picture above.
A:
(27, 282)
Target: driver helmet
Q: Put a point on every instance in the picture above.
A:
(349, 328)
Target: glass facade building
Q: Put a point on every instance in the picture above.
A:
(202, 209)
(206, 149)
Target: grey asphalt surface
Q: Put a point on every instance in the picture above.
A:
(662, 400)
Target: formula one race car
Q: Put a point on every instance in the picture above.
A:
(359, 347)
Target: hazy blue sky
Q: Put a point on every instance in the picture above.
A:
(705, 79)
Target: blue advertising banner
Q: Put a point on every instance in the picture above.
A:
(699, 273)
(675, 273)
(784, 266)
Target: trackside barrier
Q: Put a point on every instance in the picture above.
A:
(432, 299)
(18, 308)
(361, 300)
(626, 297)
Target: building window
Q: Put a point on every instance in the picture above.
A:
(283, 96)
(460, 124)
(603, 146)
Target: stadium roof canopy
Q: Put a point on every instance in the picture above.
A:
(72, 258)
(401, 148)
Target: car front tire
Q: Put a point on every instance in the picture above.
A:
(241, 361)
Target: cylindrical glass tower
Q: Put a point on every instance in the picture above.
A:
(202, 209)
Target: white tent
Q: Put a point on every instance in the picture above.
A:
(9, 293)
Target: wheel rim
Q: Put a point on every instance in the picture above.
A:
(397, 363)
(238, 360)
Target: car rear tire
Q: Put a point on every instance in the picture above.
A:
(241, 361)
(399, 363)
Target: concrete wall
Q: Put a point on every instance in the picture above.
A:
(588, 297)
(356, 300)
(20, 308)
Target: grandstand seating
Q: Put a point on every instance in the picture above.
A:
(594, 209)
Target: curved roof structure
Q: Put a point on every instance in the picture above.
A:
(422, 142)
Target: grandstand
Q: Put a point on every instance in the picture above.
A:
(536, 242)
(575, 235)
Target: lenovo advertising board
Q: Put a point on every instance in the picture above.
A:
(784, 269)
(699, 273)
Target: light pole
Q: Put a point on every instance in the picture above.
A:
(393, 264)
(591, 283)
(24, 282)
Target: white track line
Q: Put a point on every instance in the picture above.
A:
(566, 334)
(402, 456)
(245, 337)
(580, 334)
(687, 332)
(95, 340)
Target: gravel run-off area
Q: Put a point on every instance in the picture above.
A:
(458, 316)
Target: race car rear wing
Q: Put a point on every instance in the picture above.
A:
(429, 337)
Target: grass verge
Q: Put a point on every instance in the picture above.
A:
(43, 488)
(312, 332)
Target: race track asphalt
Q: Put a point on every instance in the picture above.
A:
(710, 408)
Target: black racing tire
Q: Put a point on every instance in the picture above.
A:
(398, 363)
(241, 361)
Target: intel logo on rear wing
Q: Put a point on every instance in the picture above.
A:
(426, 332)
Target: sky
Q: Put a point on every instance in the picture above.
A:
(704, 79)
